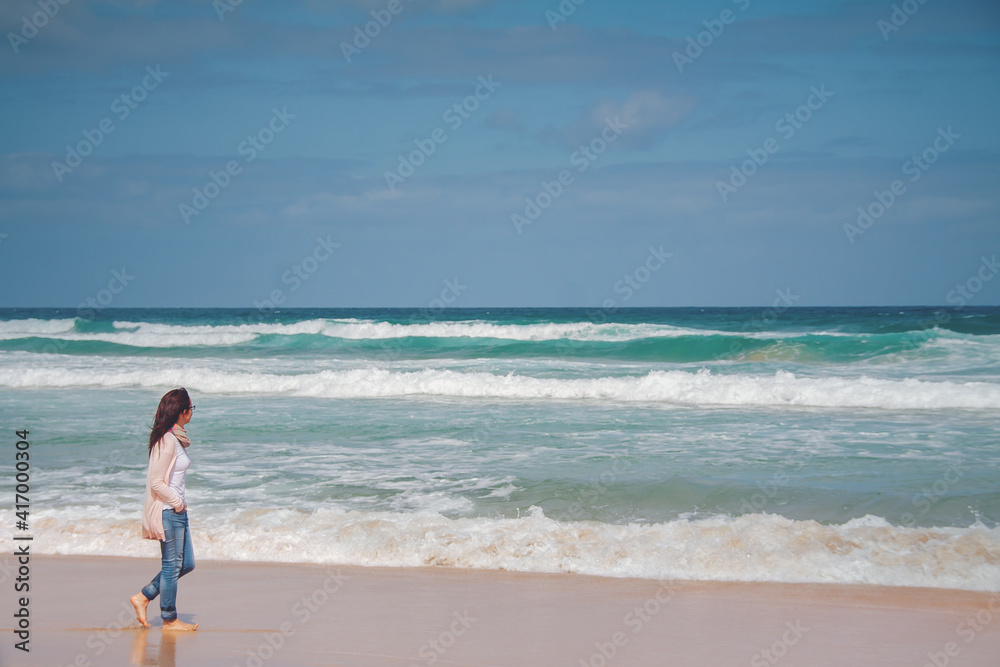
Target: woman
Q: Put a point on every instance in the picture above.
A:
(164, 516)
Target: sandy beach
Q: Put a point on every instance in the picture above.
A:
(293, 614)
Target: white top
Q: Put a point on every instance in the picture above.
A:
(179, 475)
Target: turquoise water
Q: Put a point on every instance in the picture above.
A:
(853, 445)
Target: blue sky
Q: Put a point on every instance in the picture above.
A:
(651, 113)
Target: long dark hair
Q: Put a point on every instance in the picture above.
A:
(173, 403)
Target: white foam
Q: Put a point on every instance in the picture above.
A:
(34, 327)
(303, 327)
(668, 387)
(758, 547)
(147, 334)
(581, 331)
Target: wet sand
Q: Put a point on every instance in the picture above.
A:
(255, 614)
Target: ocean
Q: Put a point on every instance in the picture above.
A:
(839, 445)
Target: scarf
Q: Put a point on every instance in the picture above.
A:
(181, 436)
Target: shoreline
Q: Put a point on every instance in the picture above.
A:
(254, 613)
(758, 547)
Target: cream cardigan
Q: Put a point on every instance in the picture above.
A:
(162, 460)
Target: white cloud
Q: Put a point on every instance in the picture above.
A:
(647, 113)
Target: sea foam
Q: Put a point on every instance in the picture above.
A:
(148, 334)
(667, 387)
(755, 547)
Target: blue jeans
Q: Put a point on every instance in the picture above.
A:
(178, 560)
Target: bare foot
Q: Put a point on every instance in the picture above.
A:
(178, 626)
(139, 601)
